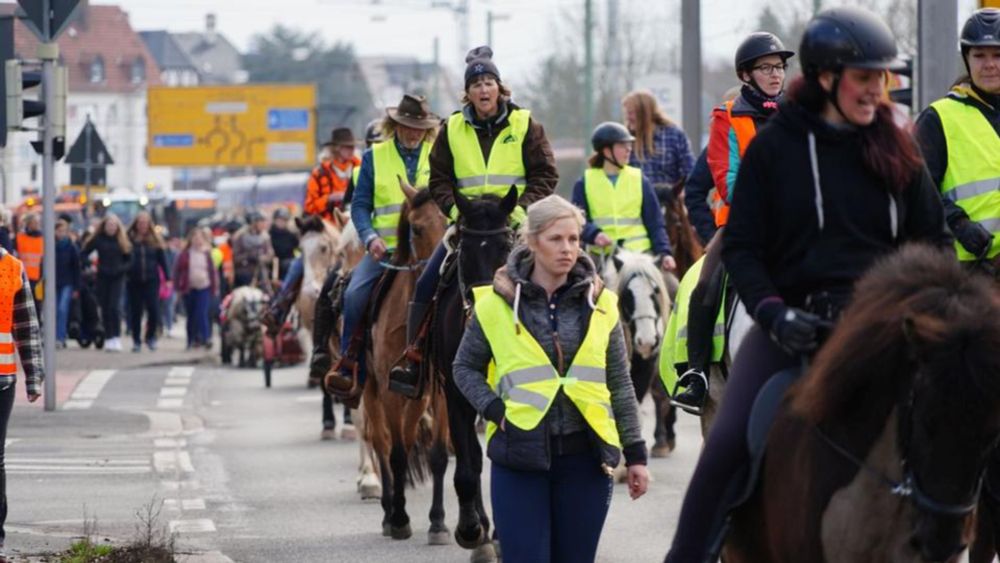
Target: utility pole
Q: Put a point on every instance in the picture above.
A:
(491, 18)
(937, 45)
(48, 51)
(691, 70)
(613, 58)
(817, 6)
(588, 71)
(436, 104)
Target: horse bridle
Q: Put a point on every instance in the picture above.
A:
(908, 487)
(476, 233)
(628, 280)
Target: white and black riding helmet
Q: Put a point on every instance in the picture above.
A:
(982, 29)
(756, 45)
(606, 135)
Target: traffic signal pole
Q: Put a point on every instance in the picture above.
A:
(49, 52)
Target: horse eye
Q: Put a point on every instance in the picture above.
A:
(324, 249)
(417, 231)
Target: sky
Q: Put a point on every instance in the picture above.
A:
(524, 30)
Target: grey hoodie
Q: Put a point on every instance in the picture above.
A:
(573, 310)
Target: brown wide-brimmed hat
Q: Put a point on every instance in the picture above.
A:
(413, 111)
(339, 137)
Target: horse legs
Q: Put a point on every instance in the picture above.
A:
(984, 547)
(386, 497)
(438, 533)
(368, 481)
(471, 529)
(664, 436)
(399, 521)
(329, 419)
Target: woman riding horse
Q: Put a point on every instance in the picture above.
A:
(409, 130)
(484, 149)
(793, 253)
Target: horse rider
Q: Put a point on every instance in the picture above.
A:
(284, 241)
(324, 317)
(483, 149)
(960, 138)
(661, 150)
(560, 405)
(761, 60)
(409, 130)
(618, 200)
(793, 254)
(251, 250)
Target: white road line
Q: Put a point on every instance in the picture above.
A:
(170, 443)
(317, 398)
(184, 504)
(75, 405)
(74, 470)
(91, 385)
(191, 526)
(173, 391)
(177, 381)
(78, 461)
(169, 403)
(181, 371)
(191, 485)
(169, 462)
(7, 443)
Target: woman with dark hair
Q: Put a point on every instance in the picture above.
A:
(148, 259)
(960, 138)
(829, 186)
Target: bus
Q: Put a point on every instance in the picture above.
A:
(182, 210)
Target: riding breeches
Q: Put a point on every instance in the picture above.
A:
(356, 296)
(703, 309)
(725, 452)
(429, 278)
(295, 272)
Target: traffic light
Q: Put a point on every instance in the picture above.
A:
(13, 82)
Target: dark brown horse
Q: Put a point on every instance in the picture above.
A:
(878, 453)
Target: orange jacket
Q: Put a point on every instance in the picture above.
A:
(330, 177)
(10, 284)
(30, 249)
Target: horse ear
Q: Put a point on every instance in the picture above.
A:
(298, 223)
(617, 260)
(340, 219)
(509, 201)
(409, 191)
(461, 202)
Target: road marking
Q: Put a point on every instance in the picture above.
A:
(90, 387)
(169, 403)
(7, 443)
(177, 381)
(74, 470)
(181, 485)
(165, 462)
(75, 405)
(317, 398)
(78, 461)
(181, 371)
(170, 443)
(173, 391)
(78, 466)
(184, 504)
(191, 526)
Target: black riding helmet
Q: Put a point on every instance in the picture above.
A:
(982, 29)
(607, 134)
(756, 45)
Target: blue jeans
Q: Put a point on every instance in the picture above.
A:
(551, 516)
(199, 326)
(295, 272)
(429, 278)
(64, 299)
(356, 297)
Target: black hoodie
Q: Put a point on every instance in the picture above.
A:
(773, 245)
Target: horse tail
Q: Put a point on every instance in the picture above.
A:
(418, 467)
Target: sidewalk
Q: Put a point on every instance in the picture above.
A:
(170, 352)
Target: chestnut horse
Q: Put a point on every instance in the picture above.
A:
(878, 452)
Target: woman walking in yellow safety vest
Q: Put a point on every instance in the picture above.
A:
(960, 138)
(760, 63)
(618, 200)
(543, 360)
(485, 148)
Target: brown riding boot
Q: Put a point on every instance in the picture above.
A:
(405, 380)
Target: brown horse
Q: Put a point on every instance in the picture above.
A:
(397, 427)
(878, 453)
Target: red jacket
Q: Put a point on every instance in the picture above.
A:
(181, 272)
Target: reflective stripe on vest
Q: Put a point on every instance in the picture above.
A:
(744, 129)
(617, 208)
(29, 250)
(972, 179)
(355, 175)
(389, 197)
(523, 377)
(675, 341)
(11, 283)
(474, 176)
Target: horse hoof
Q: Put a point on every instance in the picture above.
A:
(327, 434)
(663, 449)
(386, 530)
(485, 553)
(440, 537)
(369, 491)
(471, 539)
(349, 433)
(400, 532)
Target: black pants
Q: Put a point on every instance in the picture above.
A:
(725, 452)
(143, 296)
(109, 298)
(6, 406)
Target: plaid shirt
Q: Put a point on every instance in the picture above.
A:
(670, 161)
(27, 334)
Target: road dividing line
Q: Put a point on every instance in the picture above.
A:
(173, 391)
(169, 403)
(181, 371)
(170, 443)
(177, 381)
(89, 389)
(191, 526)
(184, 504)
(172, 462)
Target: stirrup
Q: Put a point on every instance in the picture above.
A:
(345, 388)
(687, 407)
(405, 388)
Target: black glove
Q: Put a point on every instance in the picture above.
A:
(796, 331)
(973, 237)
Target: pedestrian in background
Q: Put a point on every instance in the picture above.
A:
(662, 150)
(67, 278)
(552, 455)
(197, 280)
(19, 329)
(114, 250)
(148, 260)
(283, 239)
(5, 239)
(251, 250)
(30, 248)
(168, 293)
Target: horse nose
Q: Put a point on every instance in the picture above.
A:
(935, 552)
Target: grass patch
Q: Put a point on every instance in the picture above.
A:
(153, 543)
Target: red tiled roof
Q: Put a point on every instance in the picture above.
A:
(97, 31)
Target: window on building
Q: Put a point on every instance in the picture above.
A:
(97, 70)
(138, 70)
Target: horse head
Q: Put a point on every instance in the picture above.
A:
(318, 244)
(919, 342)
(421, 224)
(643, 299)
(484, 236)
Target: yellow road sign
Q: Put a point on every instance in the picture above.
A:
(246, 125)
(989, 3)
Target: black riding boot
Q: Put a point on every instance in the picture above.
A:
(323, 323)
(701, 331)
(276, 313)
(405, 380)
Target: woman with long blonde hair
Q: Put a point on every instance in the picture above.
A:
(662, 150)
(114, 250)
(149, 263)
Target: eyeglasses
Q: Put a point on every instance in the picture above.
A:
(767, 69)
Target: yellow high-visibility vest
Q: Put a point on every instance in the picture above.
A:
(388, 196)
(972, 179)
(522, 375)
(505, 167)
(675, 338)
(617, 208)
